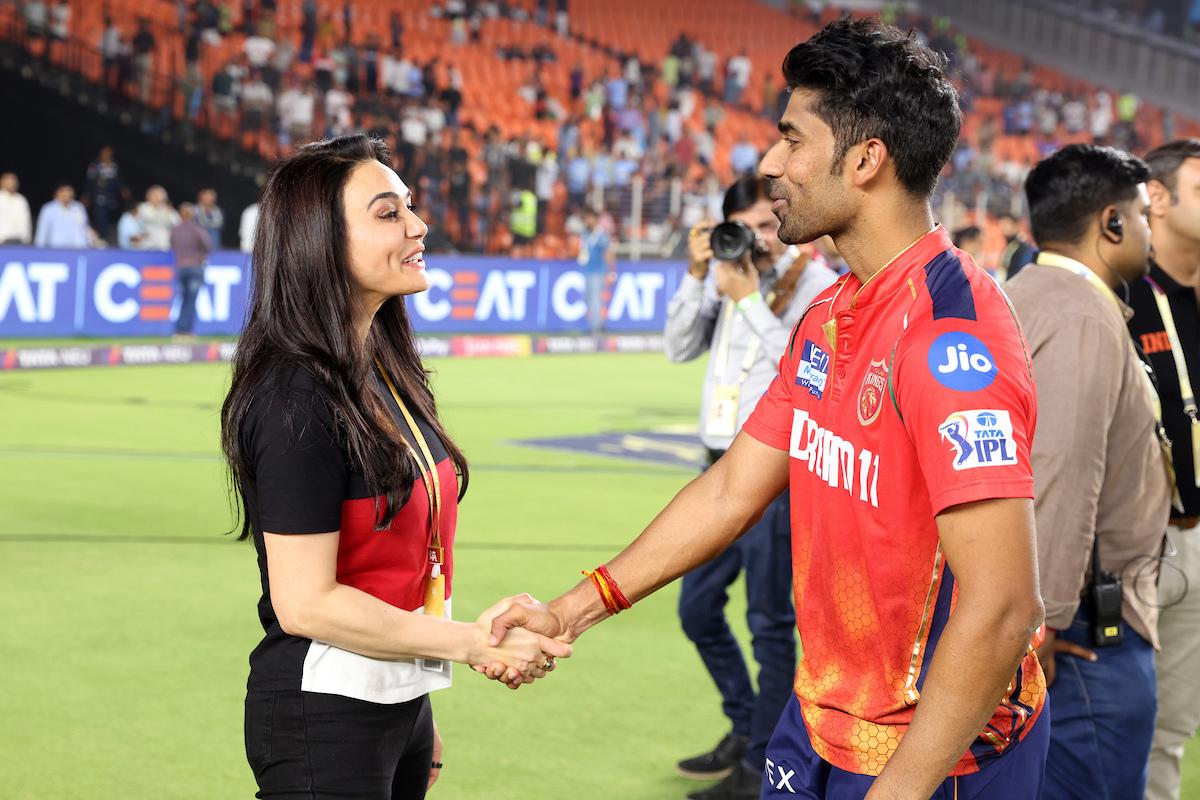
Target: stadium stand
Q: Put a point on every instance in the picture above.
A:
(595, 102)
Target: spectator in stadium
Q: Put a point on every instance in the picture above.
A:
(898, 507)
(258, 49)
(1166, 325)
(16, 223)
(1103, 493)
(257, 101)
(737, 77)
(295, 108)
(112, 50)
(1017, 252)
(103, 193)
(598, 262)
(357, 633)
(130, 233)
(246, 226)
(743, 157)
(190, 245)
(523, 221)
(157, 217)
(209, 215)
(970, 240)
(143, 58)
(63, 221)
(36, 22)
(742, 314)
(60, 21)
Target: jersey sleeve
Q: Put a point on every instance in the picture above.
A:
(964, 390)
(771, 420)
(299, 471)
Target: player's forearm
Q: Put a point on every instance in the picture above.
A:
(976, 658)
(702, 520)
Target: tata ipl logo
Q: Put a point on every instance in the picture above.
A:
(961, 362)
(980, 438)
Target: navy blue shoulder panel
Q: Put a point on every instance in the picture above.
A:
(949, 287)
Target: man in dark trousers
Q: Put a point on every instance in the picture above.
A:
(104, 193)
(1166, 325)
(190, 244)
(1101, 485)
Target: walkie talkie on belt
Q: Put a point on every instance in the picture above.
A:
(1104, 603)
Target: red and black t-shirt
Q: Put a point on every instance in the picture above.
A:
(301, 484)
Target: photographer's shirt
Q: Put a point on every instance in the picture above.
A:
(699, 320)
(920, 399)
(1097, 462)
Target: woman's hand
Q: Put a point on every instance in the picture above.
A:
(435, 771)
(523, 655)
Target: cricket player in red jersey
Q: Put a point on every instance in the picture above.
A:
(901, 420)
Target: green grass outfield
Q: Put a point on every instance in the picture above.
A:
(129, 617)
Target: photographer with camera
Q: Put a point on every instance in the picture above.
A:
(743, 293)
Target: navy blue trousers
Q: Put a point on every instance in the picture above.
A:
(1104, 715)
(765, 553)
(794, 770)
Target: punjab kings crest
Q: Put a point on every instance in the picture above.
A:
(870, 396)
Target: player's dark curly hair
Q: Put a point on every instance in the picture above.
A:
(876, 82)
(1068, 188)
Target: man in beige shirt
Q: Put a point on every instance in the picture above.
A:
(1098, 465)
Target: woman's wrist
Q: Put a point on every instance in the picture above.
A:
(474, 644)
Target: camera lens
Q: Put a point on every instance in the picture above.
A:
(731, 240)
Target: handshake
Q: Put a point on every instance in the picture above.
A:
(519, 640)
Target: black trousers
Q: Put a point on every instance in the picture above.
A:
(309, 746)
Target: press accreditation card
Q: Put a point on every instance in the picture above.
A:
(723, 411)
(435, 606)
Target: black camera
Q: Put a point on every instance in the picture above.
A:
(730, 240)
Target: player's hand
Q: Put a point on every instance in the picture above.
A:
(700, 249)
(520, 652)
(737, 281)
(1052, 646)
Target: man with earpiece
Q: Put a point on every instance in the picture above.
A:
(1101, 469)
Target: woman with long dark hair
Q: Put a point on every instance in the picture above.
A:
(350, 488)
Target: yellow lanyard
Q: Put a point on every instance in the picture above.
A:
(724, 336)
(1071, 265)
(432, 481)
(1181, 370)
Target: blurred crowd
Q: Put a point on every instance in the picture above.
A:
(108, 214)
(628, 129)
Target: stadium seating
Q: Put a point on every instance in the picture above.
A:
(602, 34)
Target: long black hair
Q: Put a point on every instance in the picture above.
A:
(301, 311)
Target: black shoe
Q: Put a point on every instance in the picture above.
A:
(742, 783)
(718, 762)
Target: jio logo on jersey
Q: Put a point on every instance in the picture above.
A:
(961, 362)
(982, 437)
